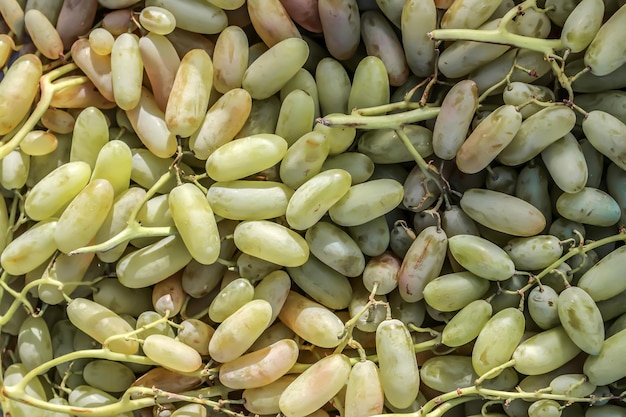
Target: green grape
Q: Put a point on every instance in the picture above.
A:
(270, 72)
(65, 269)
(607, 367)
(304, 158)
(448, 373)
(487, 139)
(423, 263)
(581, 319)
(359, 166)
(608, 410)
(407, 312)
(261, 367)
(452, 292)
(333, 84)
(113, 163)
(90, 134)
(171, 353)
(264, 400)
(518, 93)
(335, 248)
(364, 392)
(17, 91)
(481, 257)
(39, 143)
(101, 323)
(237, 333)
(280, 245)
(545, 352)
(372, 237)
(542, 306)
(147, 168)
(230, 299)
(468, 14)
(126, 71)
(589, 206)
(600, 56)
(108, 376)
(615, 185)
(87, 396)
(341, 27)
(13, 375)
(254, 268)
(263, 117)
(603, 281)
(296, 117)
(30, 249)
(603, 132)
(112, 294)
(149, 318)
(566, 163)
(246, 156)
(366, 201)
(197, 334)
(370, 84)
(194, 16)
(369, 319)
(315, 386)
(582, 25)
(67, 180)
(572, 385)
(311, 200)
(544, 408)
(497, 340)
(418, 18)
(82, 218)
(311, 321)
(397, 362)
(419, 192)
(34, 344)
(502, 212)
(533, 253)
(230, 59)
(157, 20)
(190, 410)
(383, 146)
(199, 280)
(274, 333)
(467, 324)
(322, 283)
(101, 41)
(383, 271)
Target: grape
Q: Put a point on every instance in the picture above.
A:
(418, 18)
(195, 16)
(481, 257)
(17, 91)
(534, 253)
(341, 27)
(30, 249)
(197, 334)
(286, 247)
(97, 67)
(34, 344)
(542, 306)
(518, 93)
(544, 352)
(574, 385)
(370, 84)
(126, 71)
(157, 20)
(297, 112)
(382, 270)
(468, 14)
(230, 298)
(589, 206)
(333, 86)
(452, 292)
(322, 283)
(171, 353)
(581, 319)
(603, 59)
(101, 41)
(364, 392)
(545, 408)
(108, 376)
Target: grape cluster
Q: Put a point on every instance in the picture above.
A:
(313, 208)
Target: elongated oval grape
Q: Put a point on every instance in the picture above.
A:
(230, 59)
(566, 163)
(194, 15)
(582, 24)
(274, 288)
(604, 280)
(366, 201)
(364, 392)
(602, 55)
(482, 257)
(581, 319)
(108, 376)
(497, 340)
(370, 84)
(589, 206)
(272, 242)
(397, 362)
(90, 134)
(315, 386)
(452, 292)
(297, 112)
(101, 323)
(604, 132)
(382, 271)
(467, 324)
(17, 91)
(417, 19)
(383, 146)
(34, 344)
(161, 63)
(126, 71)
(502, 212)
(329, 287)
(381, 40)
(544, 352)
(260, 368)
(422, 263)
(171, 353)
(536, 252)
(341, 27)
(157, 20)
(230, 298)
(264, 400)
(609, 365)
(246, 156)
(43, 34)
(30, 249)
(238, 332)
(311, 321)
(468, 14)
(335, 248)
(197, 334)
(575, 385)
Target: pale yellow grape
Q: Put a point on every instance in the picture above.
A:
(108, 375)
(38, 143)
(114, 163)
(126, 71)
(311, 321)
(518, 93)
(34, 345)
(481, 257)
(304, 158)
(296, 116)
(231, 199)
(274, 289)
(43, 34)
(366, 201)
(544, 352)
(14, 169)
(101, 41)
(606, 53)
(230, 298)
(502, 212)
(315, 386)
(17, 91)
(66, 270)
(339, 138)
(264, 400)
(197, 334)
(153, 263)
(171, 353)
(117, 220)
(195, 222)
(222, 122)
(189, 98)
(333, 86)
(96, 67)
(364, 392)
(261, 367)
(452, 292)
(7, 45)
(101, 323)
(190, 410)
(397, 363)
(239, 331)
(370, 84)
(263, 117)
(161, 63)
(197, 16)
(148, 122)
(369, 320)
(468, 14)
(271, 21)
(157, 20)
(82, 218)
(328, 287)
(272, 70)
(419, 18)
(582, 24)
(13, 375)
(335, 248)
(30, 249)
(230, 59)
(303, 80)
(604, 132)
(90, 134)
(358, 165)
(312, 199)
(57, 121)
(497, 340)
(246, 156)
(272, 242)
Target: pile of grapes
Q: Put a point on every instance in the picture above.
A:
(319, 208)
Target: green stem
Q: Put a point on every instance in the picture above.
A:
(390, 121)
(132, 231)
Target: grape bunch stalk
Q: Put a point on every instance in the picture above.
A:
(346, 208)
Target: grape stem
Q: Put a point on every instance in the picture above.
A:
(389, 121)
